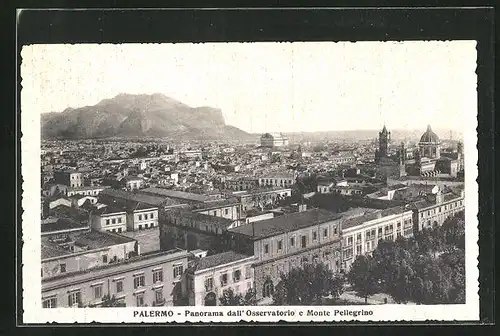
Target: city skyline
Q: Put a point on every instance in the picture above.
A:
(239, 78)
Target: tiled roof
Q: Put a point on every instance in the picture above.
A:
(98, 239)
(219, 259)
(109, 210)
(286, 223)
(221, 222)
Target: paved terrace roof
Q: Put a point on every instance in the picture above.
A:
(116, 268)
(218, 260)
(286, 223)
(259, 191)
(93, 239)
(61, 224)
(221, 222)
(216, 204)
(176, 194)
(136, 197)
(355, 221)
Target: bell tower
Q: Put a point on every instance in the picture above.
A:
(384, 137)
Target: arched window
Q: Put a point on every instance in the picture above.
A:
(268, 288)
(210, 299)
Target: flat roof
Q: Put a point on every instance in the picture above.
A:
(286, 223)
(136, 197)
(93, 240)
(116, 268)
(61, 224)
(176, 194)
(355, 221)
(219, 259)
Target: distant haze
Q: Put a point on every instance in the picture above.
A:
(267, 87)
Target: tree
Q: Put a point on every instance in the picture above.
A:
(361, 276)
(306, 286)
(250, 298)
(229, 298)
(111, 301)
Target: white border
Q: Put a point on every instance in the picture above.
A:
(33, 313)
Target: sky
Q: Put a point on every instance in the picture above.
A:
(268, 87)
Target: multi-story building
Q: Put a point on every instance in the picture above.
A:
(361, 234)
(190, 230)
(141, 216)
(129, 199)
(109, 219)
(230, 209)
(286, 242)
(325, 186)
(283, 180)
(210, 276)
(179, 196)
(270, 140)
(132, 182)
(241, 183)
(262, 197)
(145, 280)
(85, 191)
(432, 211)
(71, 178)
(72, 252)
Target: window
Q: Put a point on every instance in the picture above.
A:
(159, 295)
(209, 284)
(266, 248)
(119, 230)
(62, 268)
(139, 281)
(151, 216)
(119, 220)
(248, 272)
(119, 286)
(157, 276)
(97, 291)
(74, 298)
(107, 221)
(358, 238)
(280, 245)
(335, 230)
(358, 249)
(104, 259)
(223, 280)
(140, 227)
(113, 221)
(292, 241)
(315, 235)
(303, 241)
(139, 299)
(140, 217)
(236, 276)
(50, 303)
(178, 270)
(226, 211)
(325, 233)
(349, 241)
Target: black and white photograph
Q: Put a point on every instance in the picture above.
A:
(220, 182)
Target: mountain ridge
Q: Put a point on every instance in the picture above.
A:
(128, 115)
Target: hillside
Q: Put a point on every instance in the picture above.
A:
(129, 115)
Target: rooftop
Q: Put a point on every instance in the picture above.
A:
(61, 224)
(92, 240)
(221, 222)
(176, 194)
(218, 260)
(286, 223)
(355, 221)
(123, 266)
(136, 197)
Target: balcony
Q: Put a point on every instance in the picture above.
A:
(159, 303)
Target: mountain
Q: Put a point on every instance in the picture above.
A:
(129, 115)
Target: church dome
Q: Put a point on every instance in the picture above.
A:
(429, 136)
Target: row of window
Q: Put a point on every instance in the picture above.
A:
(440, 209)
(75, 297)
(224, 278)
(114, 221)
(303, 240)
(151, 216)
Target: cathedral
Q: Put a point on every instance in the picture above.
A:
(428, 159)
